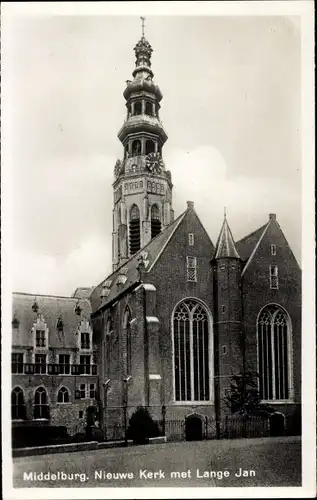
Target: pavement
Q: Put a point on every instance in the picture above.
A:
(234, 463)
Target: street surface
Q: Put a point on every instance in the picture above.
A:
(258, 462)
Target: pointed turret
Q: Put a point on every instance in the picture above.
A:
(225, 245)
(228, 333)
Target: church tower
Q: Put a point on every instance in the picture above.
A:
(143, 187)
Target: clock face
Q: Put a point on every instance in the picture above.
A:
(154, 163)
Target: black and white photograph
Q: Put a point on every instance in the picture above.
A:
(158, 321)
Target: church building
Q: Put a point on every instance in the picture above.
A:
(178, 317)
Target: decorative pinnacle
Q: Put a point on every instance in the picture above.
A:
(143, 25)
(225, 212)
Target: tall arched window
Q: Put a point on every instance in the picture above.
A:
(41, 409)
(17, 404)
(134, 230)
(155, 221)
(109, 331)
(63, 395)
(273, 332)
(138, 108)
(149, 108)
(136, 147)
(149, 147)
(191, 344)
(127, 331)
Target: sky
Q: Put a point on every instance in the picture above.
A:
(231, 108)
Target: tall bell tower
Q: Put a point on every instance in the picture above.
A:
(142, 188)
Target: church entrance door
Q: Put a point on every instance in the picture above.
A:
(193, 428)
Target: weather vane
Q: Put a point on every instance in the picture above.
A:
(143, 25)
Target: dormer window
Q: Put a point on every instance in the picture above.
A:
(85, 340)
(78, 309)
(84, 334)
(35, 306)
(60, 324)
(40, 338)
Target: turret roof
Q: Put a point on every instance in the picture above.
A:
(225, 245)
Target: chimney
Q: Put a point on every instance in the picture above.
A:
(272, 217)
(190, 204)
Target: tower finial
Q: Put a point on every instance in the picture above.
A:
(225, 212)
(143, 25)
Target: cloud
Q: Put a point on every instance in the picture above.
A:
(84, 208)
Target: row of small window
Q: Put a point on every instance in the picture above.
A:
(40, 339)
(143, 107)
(40, 405)
(63, 367)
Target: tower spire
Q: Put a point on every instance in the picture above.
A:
(142, 186)
(143, 25)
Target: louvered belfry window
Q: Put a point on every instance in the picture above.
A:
(273, 330)
(191, 264)
(191, 352)
(274, 277)
(155, 221)
(134, 230)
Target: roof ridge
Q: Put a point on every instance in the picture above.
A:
(47, 295)
(108, 277)
(176, 222)
(256, 247)
(252, 233)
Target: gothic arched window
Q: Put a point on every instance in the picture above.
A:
(63, 395)
(155, 221)
(149, 147)
(109, 331)
(273, 332)
(191, 345)
(134, 230)
(127, 331)
(17, 404)
(40, 406)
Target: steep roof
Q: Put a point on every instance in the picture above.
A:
(246, 245)
(51, 308)
(127, 275)
(82, 292)
(225, 245)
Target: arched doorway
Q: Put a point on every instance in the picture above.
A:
(193, 428)
(277, 424)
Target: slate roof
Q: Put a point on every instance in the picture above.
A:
(246, 245)
(225, 245)
(82, 292)
(51, 307)
(129, 270)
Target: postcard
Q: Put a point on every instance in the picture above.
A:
(158, 250)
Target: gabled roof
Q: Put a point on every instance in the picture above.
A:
(127, 275)
(246, 245)
(225, 245)
(51, 308)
